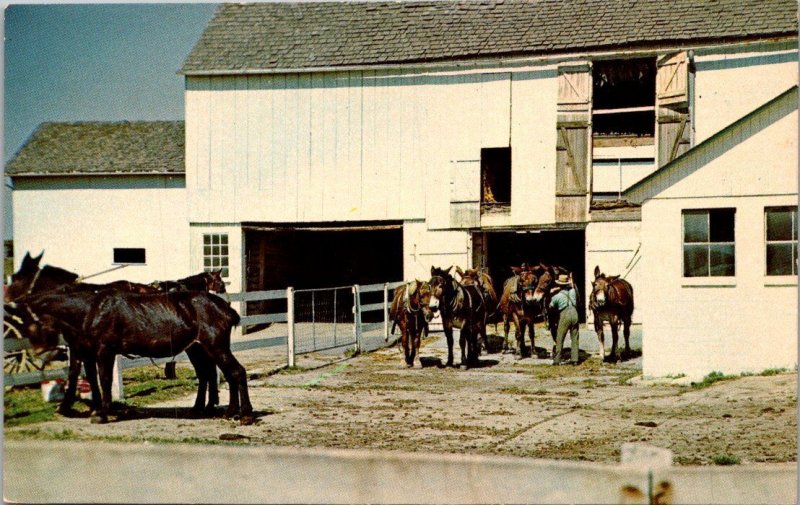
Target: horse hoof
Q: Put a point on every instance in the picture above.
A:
(247, 420)
(409, 365)
(463, 367)
(99, 420)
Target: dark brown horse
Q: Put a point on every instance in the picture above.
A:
(462, 307)
(476, 277)
(208, 281)
(30, 281)
(152, 325)
(411, 311)
(517, 305)
(611, 300)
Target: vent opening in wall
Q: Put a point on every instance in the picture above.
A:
(129, 255)
(496, 178)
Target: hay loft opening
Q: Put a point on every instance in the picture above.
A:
(624, 98)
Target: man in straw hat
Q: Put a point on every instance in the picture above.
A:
(565, 302)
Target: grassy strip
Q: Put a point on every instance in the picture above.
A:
(143, 386)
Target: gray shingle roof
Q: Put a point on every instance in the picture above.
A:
(137, 147)
(274, 36)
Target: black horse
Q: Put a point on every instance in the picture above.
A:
(30, 281)
(152, 325)
(461, 307)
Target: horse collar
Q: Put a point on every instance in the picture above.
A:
(33, 282)
(407, 301)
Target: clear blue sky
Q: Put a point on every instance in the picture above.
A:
(98, 62)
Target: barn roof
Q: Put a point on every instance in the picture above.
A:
(722, 141)
(278, 35)
(135, 147)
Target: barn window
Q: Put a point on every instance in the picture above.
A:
(215, 252)
(129, 255)
(624, 98)
(708, 243)
(781, 227)
(495, 177)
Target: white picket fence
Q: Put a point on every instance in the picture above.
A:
(357, 329)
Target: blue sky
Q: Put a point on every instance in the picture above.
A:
(99, 62)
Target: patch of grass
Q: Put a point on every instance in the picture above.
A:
(25, 406)
(712, 378)
(40, 434)
(147, 385)
(514, 390)
(725, 459)
(773, 371)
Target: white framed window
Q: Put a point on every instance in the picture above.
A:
(709, 248)
(215, 252)
(780, 225)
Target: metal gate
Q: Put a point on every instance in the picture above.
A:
(323, 319)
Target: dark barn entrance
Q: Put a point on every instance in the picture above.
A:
(322, 256)
(498, 251)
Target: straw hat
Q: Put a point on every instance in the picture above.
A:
(563, 280)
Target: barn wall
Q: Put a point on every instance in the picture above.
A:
(730, 84)
(615, 248)
(362, 145)
(78, 221)
(745, 323)
(423, 249)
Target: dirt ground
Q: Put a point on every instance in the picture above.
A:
(506, 407)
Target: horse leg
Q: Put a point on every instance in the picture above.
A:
(532, 329)
(198, 359)
(463, 336)
(404, 339)
(236, 376)
(598, 328)
(627, 334)
(90, 367)
(65, 407)
(415, 345)
(448, 333)
(614, 338)
(105, 369)
(506, 327)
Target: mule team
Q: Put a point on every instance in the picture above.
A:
(162, 319)
(529, 295)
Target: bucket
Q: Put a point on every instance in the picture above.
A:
(53, 391)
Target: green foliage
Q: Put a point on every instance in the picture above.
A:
(725, 459)
(773, 371)
(711, 378)
(25, 406)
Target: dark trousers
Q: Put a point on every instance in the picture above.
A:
(567, 321)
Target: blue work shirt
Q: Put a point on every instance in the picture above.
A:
(563, 299)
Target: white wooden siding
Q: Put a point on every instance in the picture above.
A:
(360, 145)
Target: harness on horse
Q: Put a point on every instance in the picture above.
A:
(407, 300)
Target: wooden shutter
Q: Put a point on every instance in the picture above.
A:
(573, 137)
(672, 100)
(465, 194)
(672, 80)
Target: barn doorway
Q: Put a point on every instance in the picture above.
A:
(321, 256)
(311, 257)
(499, 251)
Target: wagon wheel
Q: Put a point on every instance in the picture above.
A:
(23, 360)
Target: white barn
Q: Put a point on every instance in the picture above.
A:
(98, 195)
(339, 143)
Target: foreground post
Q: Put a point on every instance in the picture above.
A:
(290, 326)
(357, 317)
(385, 312)
(116, 380)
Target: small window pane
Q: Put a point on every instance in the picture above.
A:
(779, 224)
(206, 239)
(721, 224)
(206, 262)
(206, 250)
(723, 260)
(224, 261)
(695, 227)
(779, 259)
(214, 262)
(223, 239)
(130, 255)
(224, 272)
(215, 250)
(224, 250)
(215, 239)
(695, 260)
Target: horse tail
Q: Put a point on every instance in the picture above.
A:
(394, 325)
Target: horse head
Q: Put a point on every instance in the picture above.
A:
(546, 279)
(214, 282)
(419, 298)
(528, 282)
(40, 329)
(600, 286)
(441, 286)
(30, 278)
